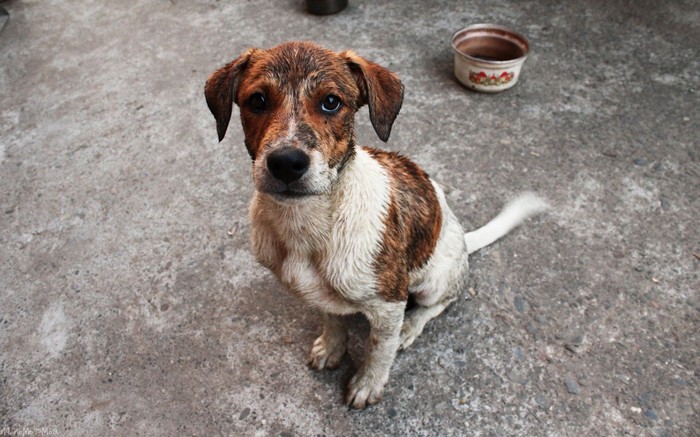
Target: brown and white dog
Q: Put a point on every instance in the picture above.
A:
(348, 229)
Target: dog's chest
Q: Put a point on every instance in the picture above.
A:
(330, 263)
(308, 275)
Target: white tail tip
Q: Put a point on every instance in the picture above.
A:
(515, 212)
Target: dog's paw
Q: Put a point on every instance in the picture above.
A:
(364, 391)
(326, 354)
(409, 332)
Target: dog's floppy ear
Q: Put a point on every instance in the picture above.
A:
(380, 88)
(220, 91)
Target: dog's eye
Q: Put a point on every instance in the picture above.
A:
(257, 103)
(331, 104)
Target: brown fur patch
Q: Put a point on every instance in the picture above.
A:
(220, 91)
(380, 88)
(413, 224)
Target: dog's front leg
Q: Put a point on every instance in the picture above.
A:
(367, 386)
(329, 348)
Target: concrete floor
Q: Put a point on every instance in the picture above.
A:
(130, 304)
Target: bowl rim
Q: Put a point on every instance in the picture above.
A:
(519, 38)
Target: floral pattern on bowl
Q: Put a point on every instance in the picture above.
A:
(481, 78)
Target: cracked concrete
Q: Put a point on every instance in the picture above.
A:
(130, 303)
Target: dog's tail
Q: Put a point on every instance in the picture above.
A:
(515, 212)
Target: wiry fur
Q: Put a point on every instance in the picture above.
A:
(359, 229)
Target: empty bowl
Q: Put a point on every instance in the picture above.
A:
(489, 57)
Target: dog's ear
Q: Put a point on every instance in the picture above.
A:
(380, 88)
(220, 91)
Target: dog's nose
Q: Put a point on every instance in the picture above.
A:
(287, 164)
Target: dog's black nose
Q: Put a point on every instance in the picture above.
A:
(287, 164)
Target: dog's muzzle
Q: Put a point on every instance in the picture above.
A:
(288, 164)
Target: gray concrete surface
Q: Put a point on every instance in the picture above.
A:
(129, 300)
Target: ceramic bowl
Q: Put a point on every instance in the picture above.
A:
(488, 57)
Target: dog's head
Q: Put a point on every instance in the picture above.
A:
(297, 103)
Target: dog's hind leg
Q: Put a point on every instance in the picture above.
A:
(415, 320)
(430, 304)
(449, 285)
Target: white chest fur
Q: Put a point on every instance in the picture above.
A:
(323, 248)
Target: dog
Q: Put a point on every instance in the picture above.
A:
(348, 229)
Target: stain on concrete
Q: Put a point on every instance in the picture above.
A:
(54, 330)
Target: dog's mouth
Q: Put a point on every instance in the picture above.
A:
(294, 194)
(291, 195)
(285, 193)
